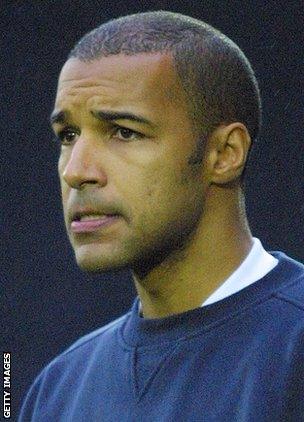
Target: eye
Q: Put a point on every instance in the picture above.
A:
(67, 136)
(126, 134)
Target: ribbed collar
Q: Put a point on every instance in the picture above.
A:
(138, 331)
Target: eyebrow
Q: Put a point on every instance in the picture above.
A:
(120, 115)
(58, 117)
(61, 117)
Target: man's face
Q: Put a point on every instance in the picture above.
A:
(130, 197)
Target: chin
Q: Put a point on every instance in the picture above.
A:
(99, 261)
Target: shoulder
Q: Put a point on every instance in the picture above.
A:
(97, 336)
(66, 371)
(98, 344)
(97, 339)
(292, 290)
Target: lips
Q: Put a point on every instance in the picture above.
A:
(91, 217)
(91, 223)
(87, 221)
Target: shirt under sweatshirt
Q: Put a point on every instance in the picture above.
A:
(238, 359)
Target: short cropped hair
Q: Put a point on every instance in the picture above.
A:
(218, 80)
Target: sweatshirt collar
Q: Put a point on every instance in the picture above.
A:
(138, 331)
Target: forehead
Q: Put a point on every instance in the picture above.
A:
(121, 80)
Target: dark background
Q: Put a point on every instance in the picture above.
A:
(46, 302)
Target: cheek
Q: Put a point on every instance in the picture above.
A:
(61, 163)
(65, 191)
(165, 195)
(60, 168)
(185, 197)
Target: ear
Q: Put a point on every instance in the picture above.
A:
(228, 151)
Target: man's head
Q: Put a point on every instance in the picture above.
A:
(218, 80)
(152, 109)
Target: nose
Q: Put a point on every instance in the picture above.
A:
(83, 166)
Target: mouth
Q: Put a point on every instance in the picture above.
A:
(87, 223)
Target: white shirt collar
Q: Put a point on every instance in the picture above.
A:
(255, 266)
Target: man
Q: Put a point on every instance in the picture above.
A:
(156, 114)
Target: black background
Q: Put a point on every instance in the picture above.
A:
(46, 302)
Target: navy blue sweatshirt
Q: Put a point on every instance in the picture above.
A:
(239, 359)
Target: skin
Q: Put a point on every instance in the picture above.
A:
(181, 228)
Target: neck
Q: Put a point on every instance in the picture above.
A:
(185, 278)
